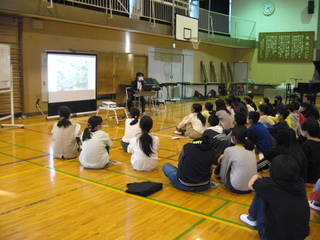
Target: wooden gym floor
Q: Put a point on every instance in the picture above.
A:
(46, 198)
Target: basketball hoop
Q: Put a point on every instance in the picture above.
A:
(195, 41)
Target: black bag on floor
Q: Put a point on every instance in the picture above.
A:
(143, 188)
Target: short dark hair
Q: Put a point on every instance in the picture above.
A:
(232, 97)
(264, 108)
(283, 111)
(266, 100)
(208, 106)
(213, 120)
(278, 97)
(254, 116)
(284, 168)
(305, 104)
(237, 99)
(250, 95)
(290, 107)
(240, 118)
(248, 100)
(309, 97)
(295, 105)
(139, 73)
(229, 100)
(312, 126)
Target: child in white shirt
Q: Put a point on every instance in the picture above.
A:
(194, 124)
(132, 128)
(95, 145)
(144, 147)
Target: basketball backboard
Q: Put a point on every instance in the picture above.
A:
(186, 27)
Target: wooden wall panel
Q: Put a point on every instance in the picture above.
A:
(140, 64)
(105, 74)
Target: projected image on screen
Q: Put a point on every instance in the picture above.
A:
(71, 76)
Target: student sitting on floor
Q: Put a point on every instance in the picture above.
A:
(294, 119)
(309, 98)
(229, 103)
(311, 148)
(263, 110)
(144, 147)
(281, 116)
(261, 136)
(218, 140)
(238, 163)
(95, 145)
(207, 110)
(225, 116)
(194, 169)
(296, 106)
(271, 110)
(277, 102)
(66, 136)
(247, 102)
(252, 104)
(194, 124)
(132, 127)
(315, 196)
(280, 207)
(286, 143)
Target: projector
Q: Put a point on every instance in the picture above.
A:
(109, 104)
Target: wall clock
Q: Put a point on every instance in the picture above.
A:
(268, 8)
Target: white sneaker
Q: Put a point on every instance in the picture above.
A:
(144, 114)
(313, 206)
(213, 184)
(244, 218)
(178, 132)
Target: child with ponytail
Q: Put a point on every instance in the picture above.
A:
(66, 136)
(238, 163)
(95, 145)
(194, 124)
(132, 128)
(144, 147)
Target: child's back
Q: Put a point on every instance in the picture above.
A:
(94, 153)
(144, 147)
(65, 145)
(66, 135)
(95, 145)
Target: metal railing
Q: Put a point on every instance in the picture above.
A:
(163, 12)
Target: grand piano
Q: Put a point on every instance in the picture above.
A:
(312, 87)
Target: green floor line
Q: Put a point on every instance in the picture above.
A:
(199, 222)
(165, 203)
(190, 229)
(23, 147)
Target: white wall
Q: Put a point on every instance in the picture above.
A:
(289, 15)
(171, 66)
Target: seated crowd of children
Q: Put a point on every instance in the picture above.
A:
(284, 138)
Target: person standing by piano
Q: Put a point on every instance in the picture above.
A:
(137, 85)
(309, 98)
